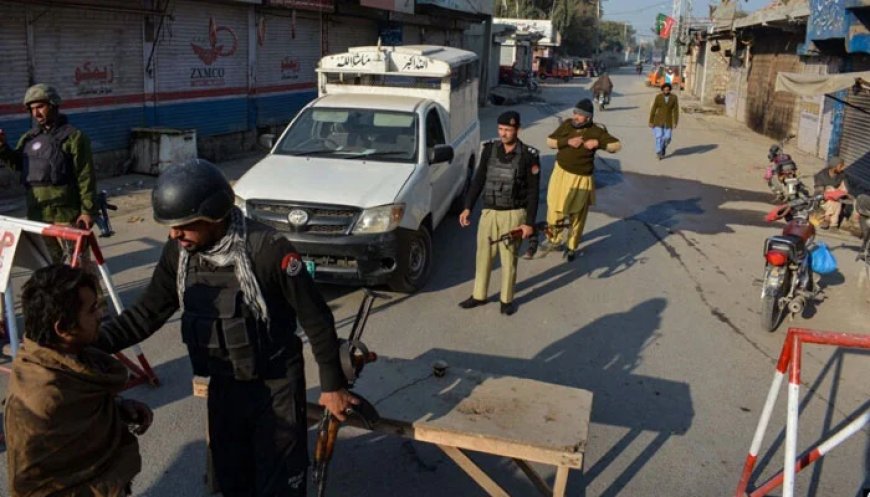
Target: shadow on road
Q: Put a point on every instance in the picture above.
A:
(694, 150)
(601, 357)
(614, 109)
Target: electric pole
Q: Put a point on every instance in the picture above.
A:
(675, 30)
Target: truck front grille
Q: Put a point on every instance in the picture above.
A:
(322, 219)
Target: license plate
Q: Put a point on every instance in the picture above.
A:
(309, 266)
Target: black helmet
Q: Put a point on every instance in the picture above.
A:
(193, 191)
(773, 152)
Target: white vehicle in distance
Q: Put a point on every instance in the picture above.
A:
(363, 175)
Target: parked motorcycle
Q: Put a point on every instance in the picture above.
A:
(781, 174)
(788, 279)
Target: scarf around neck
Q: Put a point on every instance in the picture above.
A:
(231, 250)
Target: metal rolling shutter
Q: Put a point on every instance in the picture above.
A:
(346, 32)
(94, 59)
(855, 140)
(286, 62)
(13, 84)
(202, 68)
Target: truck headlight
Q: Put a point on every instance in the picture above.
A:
(379, 219)
(242, 204)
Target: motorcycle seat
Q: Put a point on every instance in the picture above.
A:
(792, 240)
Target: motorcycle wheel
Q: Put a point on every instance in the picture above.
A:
(771, 310)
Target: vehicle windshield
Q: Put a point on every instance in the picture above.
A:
(355, 134)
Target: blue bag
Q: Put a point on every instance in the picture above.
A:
(822, 260)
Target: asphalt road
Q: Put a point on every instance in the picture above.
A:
(658, 317)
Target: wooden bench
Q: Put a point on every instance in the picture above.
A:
(524, 420)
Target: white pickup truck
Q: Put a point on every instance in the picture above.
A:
(363, 175)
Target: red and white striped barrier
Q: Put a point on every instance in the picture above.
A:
(791, 356)
(84, 240)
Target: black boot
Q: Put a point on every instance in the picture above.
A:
(508, 309)
(471, 303)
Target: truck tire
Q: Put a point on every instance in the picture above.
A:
(458, 204)
(414, 264)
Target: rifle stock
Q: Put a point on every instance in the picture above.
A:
(517, 234)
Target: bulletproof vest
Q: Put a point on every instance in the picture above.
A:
(505, 186)
(222, 336)
(45, 162)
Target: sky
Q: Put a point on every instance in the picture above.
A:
(642, 13)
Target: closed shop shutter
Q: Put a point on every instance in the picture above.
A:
(202, 68)
(13, 84)
(287, 56)
(346, 32)
(94, 59)
(855, 140)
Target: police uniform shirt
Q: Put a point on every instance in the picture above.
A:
(530, 163)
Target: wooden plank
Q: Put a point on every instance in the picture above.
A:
(516, 417)
(561, 483)
(534, 477)
(473, 470)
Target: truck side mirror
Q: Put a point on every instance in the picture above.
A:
(440, 153)
(267, 141)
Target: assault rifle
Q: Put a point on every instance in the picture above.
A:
(548, 229)
(353, 355)
(102, 219)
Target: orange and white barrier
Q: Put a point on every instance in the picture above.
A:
(791, 356)
(21, 244)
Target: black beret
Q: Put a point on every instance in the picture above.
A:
(584, 107)
(509, 118)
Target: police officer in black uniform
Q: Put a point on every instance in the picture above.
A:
(509, 178)
(241, 288)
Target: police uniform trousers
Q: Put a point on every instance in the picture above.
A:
(258, 435)
(569, 196)
(493, 224)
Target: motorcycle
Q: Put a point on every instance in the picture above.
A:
(788, 278)
(782, 176)
(602, 99)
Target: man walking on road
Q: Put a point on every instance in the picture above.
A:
(509, 177)
(241, 288)
(56, 164)
(572, 188)
(663, 118)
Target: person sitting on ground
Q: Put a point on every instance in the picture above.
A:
(833, 177)
(68, 433)
(602, 86)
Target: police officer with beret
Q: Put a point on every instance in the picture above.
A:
(56, 164)
(241, 288)
(508, 177)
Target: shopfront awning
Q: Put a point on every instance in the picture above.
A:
(808, 85)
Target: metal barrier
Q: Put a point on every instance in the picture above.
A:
(791, 356)
(83, 240)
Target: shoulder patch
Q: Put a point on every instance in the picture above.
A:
(532, 150)
(292, 264)
(535, 169)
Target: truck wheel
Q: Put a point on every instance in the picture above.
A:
(414, 261)
(459, 202)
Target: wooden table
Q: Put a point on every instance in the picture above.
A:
(466, 410)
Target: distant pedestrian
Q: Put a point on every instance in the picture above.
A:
(663, 118)
(572, 188)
